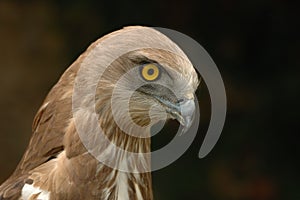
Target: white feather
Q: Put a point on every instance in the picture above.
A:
(122, 182)
(29, 190)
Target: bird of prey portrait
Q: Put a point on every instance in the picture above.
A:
(66, 159)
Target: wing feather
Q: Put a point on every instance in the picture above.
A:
(48, 130)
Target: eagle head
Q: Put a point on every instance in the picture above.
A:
(128, 81)
(146, 79)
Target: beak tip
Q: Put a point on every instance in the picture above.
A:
(186, 118)
(183, 113)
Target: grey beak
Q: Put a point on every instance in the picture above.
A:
(183, 111)
(186, 109)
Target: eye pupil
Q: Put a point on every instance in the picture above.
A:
(151, 71)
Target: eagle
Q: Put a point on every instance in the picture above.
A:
(125, 82)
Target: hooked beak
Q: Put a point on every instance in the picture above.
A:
(186, 115)
(183, 111)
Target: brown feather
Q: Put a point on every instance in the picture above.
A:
(57, 161)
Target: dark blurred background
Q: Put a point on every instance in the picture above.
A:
(254, 43)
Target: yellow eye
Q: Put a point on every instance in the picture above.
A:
(150, 72)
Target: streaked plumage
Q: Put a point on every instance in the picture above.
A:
(56, 165)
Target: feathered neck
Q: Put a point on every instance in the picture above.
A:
(119, 180)
(126, 185)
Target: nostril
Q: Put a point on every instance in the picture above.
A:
(179, 101)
